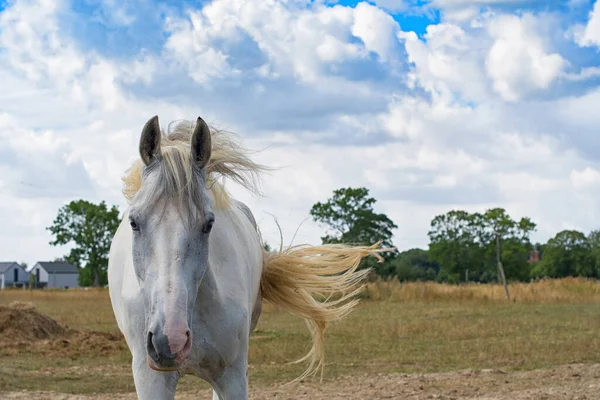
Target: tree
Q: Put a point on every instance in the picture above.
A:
(475, 242)
(509, 240)
(415, 265)
(90, 228)
(349, 213)
(351, 218)
(594, 243)
(454, 245)
(569, 253)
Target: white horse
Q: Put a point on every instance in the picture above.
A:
(188, 272)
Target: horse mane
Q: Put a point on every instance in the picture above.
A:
(228, 160)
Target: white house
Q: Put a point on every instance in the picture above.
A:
(12, 274)
(55, 274)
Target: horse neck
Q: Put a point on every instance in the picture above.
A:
(233, 244)
(212, 285)
(210, 290)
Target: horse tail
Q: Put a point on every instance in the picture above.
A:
(317, 283)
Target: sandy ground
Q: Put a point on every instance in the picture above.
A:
(574, 382)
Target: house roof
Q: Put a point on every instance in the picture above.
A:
(5, 266)
(59, 267)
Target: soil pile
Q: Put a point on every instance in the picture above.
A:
(20, 321)
(91, 343)
(25, 330)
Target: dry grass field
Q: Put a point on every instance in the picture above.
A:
(399, 329)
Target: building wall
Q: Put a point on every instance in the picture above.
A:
(63, 280)
(9, 275)
(43, 273)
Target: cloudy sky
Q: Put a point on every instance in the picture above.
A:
(432, 105)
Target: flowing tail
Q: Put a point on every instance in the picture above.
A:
(304, 279)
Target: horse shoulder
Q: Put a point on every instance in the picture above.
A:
(257, 309)
(124, 291)
(246, 211)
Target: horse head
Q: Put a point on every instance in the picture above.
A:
(171, 220)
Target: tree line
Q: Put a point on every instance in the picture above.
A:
(462, 247)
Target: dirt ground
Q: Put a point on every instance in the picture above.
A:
(573, 382)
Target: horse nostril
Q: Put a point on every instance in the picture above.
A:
(150, 346)
(188, 342)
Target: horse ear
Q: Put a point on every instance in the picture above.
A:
(201, 143)
(150, 141)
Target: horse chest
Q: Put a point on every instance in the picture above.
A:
(218, 342)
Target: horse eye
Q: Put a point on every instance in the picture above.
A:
(208, 225)
(134, 226)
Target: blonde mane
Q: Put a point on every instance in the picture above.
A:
(228, 160)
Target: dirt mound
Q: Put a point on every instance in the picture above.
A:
(25, 330)
(22, 322)
(90, 342)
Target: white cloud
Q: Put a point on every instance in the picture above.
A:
(34, 45)
(301, 39)
(585, 178)
(585, 74)
(37, 173)
(518, 61)
(591, 33)
(449, 61)
(464, 11)
(461, 15)
(376, 29)
(502, 54)
(190, 43)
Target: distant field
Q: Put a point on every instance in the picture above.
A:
(412, 327)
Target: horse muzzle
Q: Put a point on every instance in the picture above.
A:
(167, 352)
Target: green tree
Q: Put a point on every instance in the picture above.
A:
(89, 228)
(569, 253)
(454, 245)
(462, 241)
(415, 265)
(512, 238)
(350, 216)
(594, 243)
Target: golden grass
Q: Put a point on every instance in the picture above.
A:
(545, 291)
(413, 327)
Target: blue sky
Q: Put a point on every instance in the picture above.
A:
(98, 26)
(432, 105)
(123, 31)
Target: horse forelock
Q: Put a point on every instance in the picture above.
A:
(176, 170)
